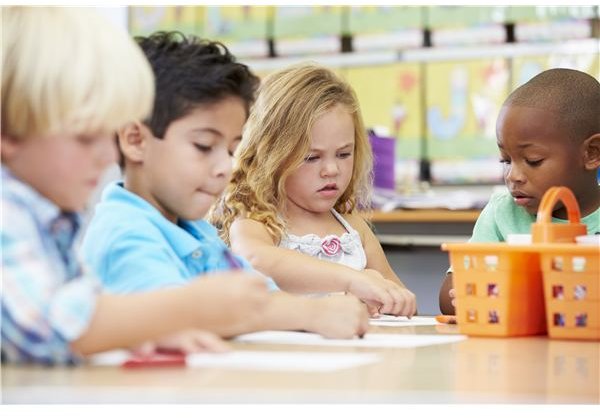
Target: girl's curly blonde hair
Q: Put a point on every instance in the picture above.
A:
(276, 141)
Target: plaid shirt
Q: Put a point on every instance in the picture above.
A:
(48, 299)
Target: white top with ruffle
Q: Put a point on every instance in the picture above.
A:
(346, 250)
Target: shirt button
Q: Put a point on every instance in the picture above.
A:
(197, 254)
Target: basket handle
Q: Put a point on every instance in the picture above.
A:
(551, 197)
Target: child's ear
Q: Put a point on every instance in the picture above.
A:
(132, 141)
(9, 148)
(591, 152)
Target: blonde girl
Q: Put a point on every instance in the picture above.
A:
(302, 170)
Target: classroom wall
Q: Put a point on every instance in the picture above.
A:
(431, 77)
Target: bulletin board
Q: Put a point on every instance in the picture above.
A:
(463, 100)
(524, 68)
(148, 19)
(242, 28)
(384, 19)
(464, 16)
(307, 29)
(385, 27)
(544, 13)
(389, 96)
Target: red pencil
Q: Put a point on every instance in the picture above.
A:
(155, 360)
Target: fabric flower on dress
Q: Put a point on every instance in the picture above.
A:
(331, 246)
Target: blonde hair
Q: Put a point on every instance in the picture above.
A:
(69, 70)
(276, 141)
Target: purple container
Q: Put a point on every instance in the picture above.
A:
(383, 161)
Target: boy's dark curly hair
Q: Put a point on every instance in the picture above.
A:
(190, 71)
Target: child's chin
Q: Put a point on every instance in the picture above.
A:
(532, 210)
(197, 213)
(74, 206)
(83, 201)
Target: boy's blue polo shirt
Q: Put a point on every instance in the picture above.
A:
(133, 247)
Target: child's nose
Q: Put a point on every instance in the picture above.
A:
(515, 174)
(330, 168)
(224, 165)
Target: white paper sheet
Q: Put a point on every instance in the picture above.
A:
(369, 340)
(401, 321)
(258, 360)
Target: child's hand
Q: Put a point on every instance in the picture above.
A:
(190, 341)
(339, 317)
(382, 294)
(373, 310)
(452, 294)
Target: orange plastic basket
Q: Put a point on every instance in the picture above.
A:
(500, 287)
(572, 290)
(571, 272)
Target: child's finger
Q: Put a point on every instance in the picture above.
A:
(144, 349)
(373, 310)
(386, 300)
(399, 306)
(452, 293)
(207, 341)
(363, 326)
(413, 304)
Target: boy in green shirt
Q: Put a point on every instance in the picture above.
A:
(548, 133)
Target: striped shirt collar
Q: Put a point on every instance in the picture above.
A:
(46, 212)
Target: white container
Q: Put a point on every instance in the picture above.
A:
(588, 240)
(518, 239)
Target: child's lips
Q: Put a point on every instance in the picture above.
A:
(330, 186)
(329, 190)
(209, 193)
(522, 199)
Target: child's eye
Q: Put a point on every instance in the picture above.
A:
(311, 158)
(344, 155)
(534, 163)
(86, 139)
(203, 148)
(233, 148)
(504, 161)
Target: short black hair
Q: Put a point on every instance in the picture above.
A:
(190, 71)
(573, 95)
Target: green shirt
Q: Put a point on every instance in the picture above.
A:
(501, 216)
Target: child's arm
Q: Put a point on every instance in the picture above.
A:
(376, 260)
(299, 273)
(445, 297)
(486, 229)
(332, 316)
(188, 341)
(224, 305)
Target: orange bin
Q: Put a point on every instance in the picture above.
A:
(516, 290)
(571, 273)
(499, 289)
(572, 290)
